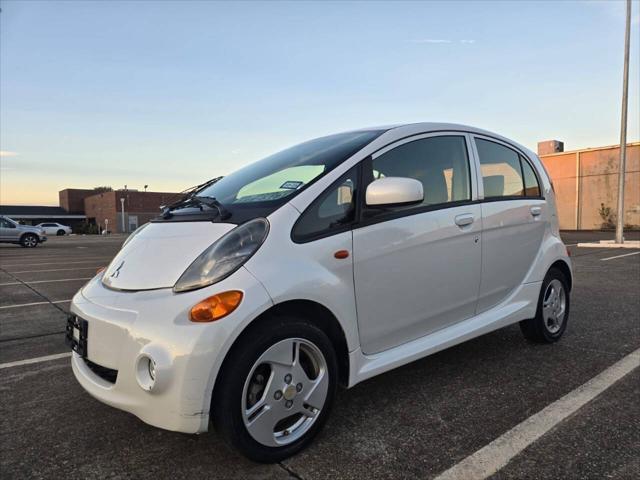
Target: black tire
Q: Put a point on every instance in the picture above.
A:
(228, 401)
(539, 329)
(60, 233)
(29, 240)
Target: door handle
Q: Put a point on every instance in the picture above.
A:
(464, 219)
(536, 211)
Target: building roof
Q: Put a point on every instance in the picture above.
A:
(589, 149)
(36, 211)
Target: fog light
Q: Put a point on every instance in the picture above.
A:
(216, 307)
(146, 372)
(152, 369)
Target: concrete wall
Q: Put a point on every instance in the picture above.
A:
(586, 179)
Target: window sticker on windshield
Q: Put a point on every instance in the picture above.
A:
(291, 185)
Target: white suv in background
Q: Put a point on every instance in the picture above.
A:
(55, 229)
(249, 301)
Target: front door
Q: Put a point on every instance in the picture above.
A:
(417, 268)
(8, 231)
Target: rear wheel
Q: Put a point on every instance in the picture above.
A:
(60, 233)
(29, 240)
(276, 390)
(552, 313)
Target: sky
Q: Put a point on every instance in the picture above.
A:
(170, 94)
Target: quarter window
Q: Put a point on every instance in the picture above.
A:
(531, 186)
(440, 163)
(331, 211)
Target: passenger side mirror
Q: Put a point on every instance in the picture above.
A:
(391, 191)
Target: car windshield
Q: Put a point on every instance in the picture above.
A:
(260, 188)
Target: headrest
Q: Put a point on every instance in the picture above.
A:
(493, 186)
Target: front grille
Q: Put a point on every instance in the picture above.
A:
(104, 373)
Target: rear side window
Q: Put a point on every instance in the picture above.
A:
(441, 164)
(501, 171)
(505, 173)
(331, 212)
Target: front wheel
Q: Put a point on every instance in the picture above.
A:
(29, 240)
(276, 389)
(552, 313)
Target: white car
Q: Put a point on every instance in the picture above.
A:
(248, 302)
(54, 229)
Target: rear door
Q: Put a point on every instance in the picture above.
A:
(514, 218)
(417, 268)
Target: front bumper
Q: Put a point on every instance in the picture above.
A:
(125, 327)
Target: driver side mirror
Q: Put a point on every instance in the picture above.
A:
(394, 191)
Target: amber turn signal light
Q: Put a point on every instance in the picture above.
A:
(216, 307)
(100, 270)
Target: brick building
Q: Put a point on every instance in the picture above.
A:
(72, 199)
(586, 185)
(125, 210)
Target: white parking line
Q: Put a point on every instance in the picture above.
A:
(56, 270)
(492, 457)
(620, 256)
(29, 361)
(44, 281)
(32, 304)
(53, 263)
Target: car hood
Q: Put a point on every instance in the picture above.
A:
(159, 254)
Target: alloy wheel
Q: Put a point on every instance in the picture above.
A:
(30, 241)
(554, 305)
(285, 392)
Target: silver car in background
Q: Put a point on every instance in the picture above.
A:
(25, 235)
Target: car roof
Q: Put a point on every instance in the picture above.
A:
(398, 131)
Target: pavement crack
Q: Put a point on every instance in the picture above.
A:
(51, 302)
(12, 339)
(290, 471)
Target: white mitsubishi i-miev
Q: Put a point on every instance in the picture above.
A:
(247, 303)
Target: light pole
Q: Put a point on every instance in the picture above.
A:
(623, 130)
(124, 230)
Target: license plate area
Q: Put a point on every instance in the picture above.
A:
(76, 334)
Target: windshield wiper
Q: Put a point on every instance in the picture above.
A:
(193, 200)
(211, 202)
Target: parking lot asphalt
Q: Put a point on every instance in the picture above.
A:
(413, 422)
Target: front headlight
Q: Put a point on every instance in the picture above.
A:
(224, 256)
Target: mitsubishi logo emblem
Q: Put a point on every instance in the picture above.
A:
(116, 272)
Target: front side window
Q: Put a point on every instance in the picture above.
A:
(441, 164)
(4, 223)
(331, 211)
